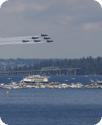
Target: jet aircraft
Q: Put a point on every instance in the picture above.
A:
(35, 37)
(43, 35)
(25, 41)
(49, 41)
(47, 38)
(37, 40)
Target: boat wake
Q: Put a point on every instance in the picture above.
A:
(99, 123)
(1, 122)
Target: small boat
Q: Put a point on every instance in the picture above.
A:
(100, 122)
(1, 122)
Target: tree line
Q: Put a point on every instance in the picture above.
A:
(87, 66)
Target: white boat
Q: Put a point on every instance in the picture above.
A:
(100, 122)
(1, 122)
(35, 79)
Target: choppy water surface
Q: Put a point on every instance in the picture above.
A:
(51, 106)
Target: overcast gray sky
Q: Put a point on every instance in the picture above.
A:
(74, 25)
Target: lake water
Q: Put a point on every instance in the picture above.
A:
(51, 106)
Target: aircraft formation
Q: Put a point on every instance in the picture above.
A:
(43, 38)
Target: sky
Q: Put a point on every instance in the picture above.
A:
(74, 25)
